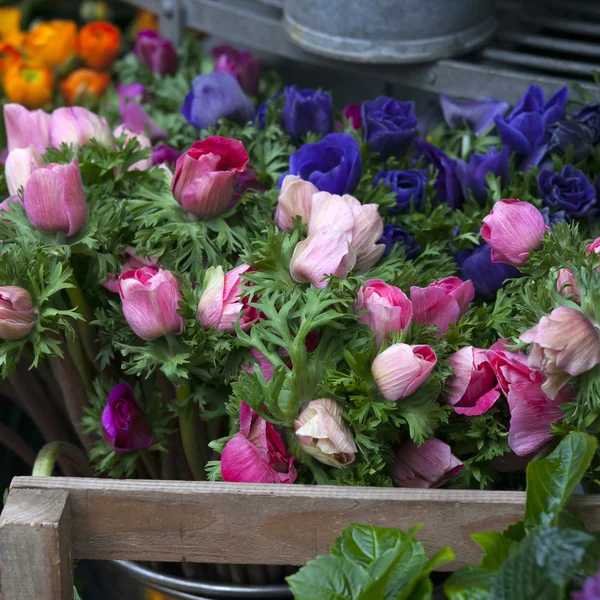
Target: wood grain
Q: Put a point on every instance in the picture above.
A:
(270, 524)
(35, 546)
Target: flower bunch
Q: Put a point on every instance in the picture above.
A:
(246, 286)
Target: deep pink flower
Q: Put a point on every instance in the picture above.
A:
(131, 263)
(401, 369)
(510, 367)
(532, 414)
(427, 466)
(593, 247)
(443, 302)
(353, 113)
(388, 308)
(156, 52)
(150, 298)
(241, 64)
(205, 176)
(125, 427)
(473, 389)
(513, 229)
(224, 300)
(256, 454)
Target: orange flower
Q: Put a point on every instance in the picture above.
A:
(52, 42)
(144, 20)
(84, 83)
(9, 55)
(98, 44)
(10, 21)
(29, 83)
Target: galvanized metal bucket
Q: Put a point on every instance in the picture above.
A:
(135, 582)
(389, 31)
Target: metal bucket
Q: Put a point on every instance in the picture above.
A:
(135, 582)
(122, 579)
(389, 31)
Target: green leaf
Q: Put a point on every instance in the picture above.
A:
(495, 546)
(469, 583)
(552, 480)
(329, 578)
(542, 566)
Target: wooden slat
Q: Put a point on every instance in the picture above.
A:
(270, 524)
(35, 546)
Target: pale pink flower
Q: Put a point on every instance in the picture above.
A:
(17, 316)
(565, 344)
(19, 165)
(400, 369)
(513, 229)
(322, 432)
(295, 200)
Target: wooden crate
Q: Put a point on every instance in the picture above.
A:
(49, 521)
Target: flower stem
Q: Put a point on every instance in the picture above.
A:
(79, 302)
(189, 434)
(46, 459)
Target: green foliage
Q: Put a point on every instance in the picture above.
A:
(370, 563)
(539, 556)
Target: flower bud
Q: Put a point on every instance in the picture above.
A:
(54, 200)
(84, 85)
(240, 64)
(400, 369)
(150, 298)
(473, 389)
(566, 285)
(513, 229)
(295, 200)
(16, 313)
(19, 165)
(143, 141)
(98, 44)
(256, 454)
(442, 302)
(306, 111)
(156, 52)
(51, 42)
(593, 247)
(326, 252)
(205, 175)
(29, 83)
(165, 154)
(322, 433)
(77, 126)
(565, 344)
(429, 465)
(125, 427)
(389, 310)
(26, 128)
(221, 303)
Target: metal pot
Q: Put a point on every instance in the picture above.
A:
(389, 31)
(135, 582)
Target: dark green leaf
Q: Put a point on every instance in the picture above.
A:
(329, 578)
(552, 480)
(496, 548)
